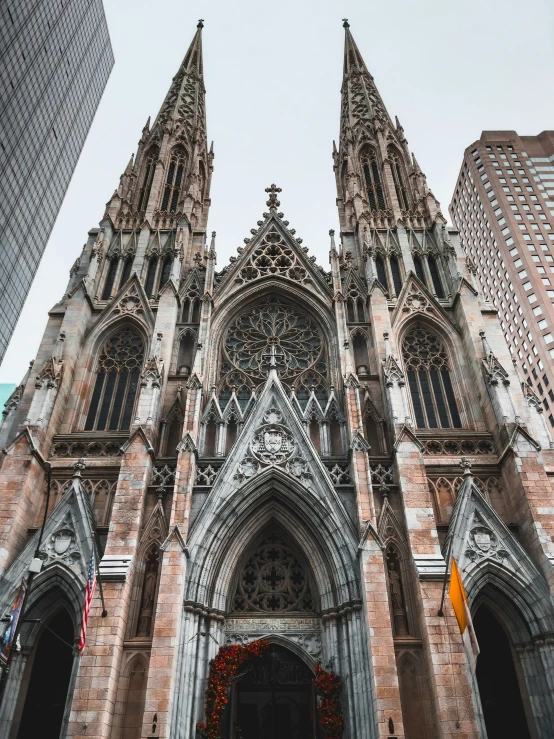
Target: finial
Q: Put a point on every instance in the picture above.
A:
(160, 492)
(79, 467)
(200, 23)
(273, 203)
(345, 23)
(384, 490)
(466, 464)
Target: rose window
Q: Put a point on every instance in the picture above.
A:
(274, 330)
(273, 580)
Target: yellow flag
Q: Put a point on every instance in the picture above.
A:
(458, 597)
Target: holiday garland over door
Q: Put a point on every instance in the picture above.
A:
(224, 668)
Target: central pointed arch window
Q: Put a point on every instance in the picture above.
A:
(429, 379)
(117, 380)
(273, 580)
(373, 184)
(173, 182)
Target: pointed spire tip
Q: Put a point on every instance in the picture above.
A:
(345, 23)
(200, 23)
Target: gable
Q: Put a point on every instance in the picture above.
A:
(415, 299)
(275, 439)
(479, 540)
(66, 544)
(274, 252)
(129, 301)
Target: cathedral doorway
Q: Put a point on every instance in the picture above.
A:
(499, 687)
(274, 698)
(49, 680)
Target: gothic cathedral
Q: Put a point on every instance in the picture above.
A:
(281, 451)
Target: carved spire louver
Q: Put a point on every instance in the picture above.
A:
(184, 108)
(362, 105)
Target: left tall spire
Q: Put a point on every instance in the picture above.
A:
(170, 177)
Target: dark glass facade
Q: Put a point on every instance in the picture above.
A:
(55, 60)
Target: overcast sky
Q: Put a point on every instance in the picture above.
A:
(273, 73)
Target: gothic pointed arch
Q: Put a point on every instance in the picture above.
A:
(132, 697)
(116, 381)
(399, 177)
(272, 577)
(174, 179)
(146, 177)
(373, 178)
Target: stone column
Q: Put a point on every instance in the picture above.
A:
(95, 695)
(163, 676)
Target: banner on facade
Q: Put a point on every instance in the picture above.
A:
(9, 634)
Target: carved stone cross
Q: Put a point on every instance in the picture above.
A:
(273, 203)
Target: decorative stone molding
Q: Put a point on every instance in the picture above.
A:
(483, 543)
(458, 447)
(163, 476)
(358, 443)
(273, 445)
(75, 447)
(430, 566)
(340, 474)
(381, 474)
(206, 475)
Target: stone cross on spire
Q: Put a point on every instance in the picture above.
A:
(273, 203)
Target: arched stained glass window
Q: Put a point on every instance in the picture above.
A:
(126, 272)
(110, 279)
(173, 183)
(398, 178)
(273, 580)
(117, 379)
(151, 276)
(166, 270)
(373, 184)
(149, 170)
(396, 276)
(428, 371)
(435, 276)
(381, 273)
(418, 264)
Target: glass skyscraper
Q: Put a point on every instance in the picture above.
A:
(55, 60)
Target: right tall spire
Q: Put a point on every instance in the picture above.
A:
(378, 182)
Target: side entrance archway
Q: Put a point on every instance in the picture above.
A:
(499, 687)
(274, 698)
(48, 681)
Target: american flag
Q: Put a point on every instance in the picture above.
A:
(91, 583)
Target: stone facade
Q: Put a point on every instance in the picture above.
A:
(276, 450)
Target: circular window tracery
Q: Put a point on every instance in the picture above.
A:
(273, 328)
(273, 580)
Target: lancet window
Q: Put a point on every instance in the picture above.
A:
(372, 176)
(428, 271)
(428, 369)
(435, 276)
(110, 278)
(151, 276)
(149, 169)
(388, 272)
(399, 180)
(173, 182)
(126, 271)
(273, 580)
(117, 379)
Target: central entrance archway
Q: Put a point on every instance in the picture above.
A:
(274, 699)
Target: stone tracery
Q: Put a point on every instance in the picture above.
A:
(273, 580)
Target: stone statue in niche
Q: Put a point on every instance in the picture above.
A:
(400, 621)
(144, 626)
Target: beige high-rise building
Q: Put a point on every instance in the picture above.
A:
(504, 208)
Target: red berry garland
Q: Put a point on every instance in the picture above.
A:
(224, 668)
(327, 686)
(222, 671)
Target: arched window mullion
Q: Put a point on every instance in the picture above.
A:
(116, 383)
(429, 380)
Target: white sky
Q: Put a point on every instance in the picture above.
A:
(272, 71)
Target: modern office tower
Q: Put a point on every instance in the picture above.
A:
(504, 208)
(279, 458)
(55, 60)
